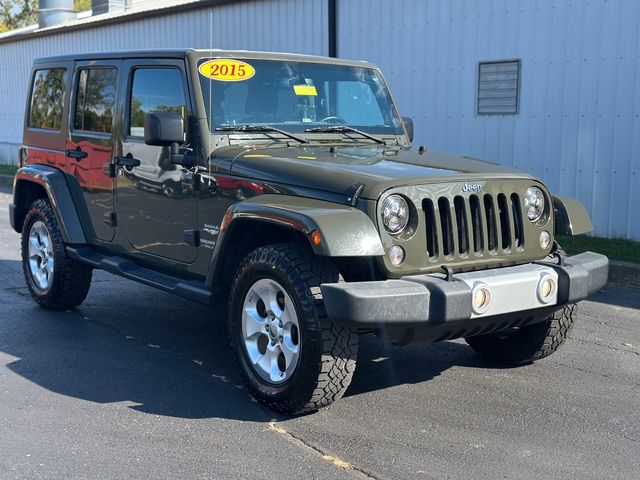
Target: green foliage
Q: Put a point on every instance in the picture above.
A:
(17, 14)
(137, 113)
(615, 248)
(8, 169)
(22, 13)
(82, 5)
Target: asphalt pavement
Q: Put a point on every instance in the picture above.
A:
(139, 384)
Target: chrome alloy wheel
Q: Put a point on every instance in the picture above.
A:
(271, 331)
(40, 256)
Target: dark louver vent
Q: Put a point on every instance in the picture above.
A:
(498, 87)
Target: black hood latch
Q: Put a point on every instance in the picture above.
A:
(353, 192)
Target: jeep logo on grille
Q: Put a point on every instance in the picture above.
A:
(472, 187)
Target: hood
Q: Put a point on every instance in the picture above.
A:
(376, 167)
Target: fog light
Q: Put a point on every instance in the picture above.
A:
(396, 255)
(547, 288)
(545, 240)
(481, 298)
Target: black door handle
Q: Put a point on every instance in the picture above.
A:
(127, 161)
(77, 154)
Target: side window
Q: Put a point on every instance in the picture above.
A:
(95, 100)
(155, 90)
(47, 98)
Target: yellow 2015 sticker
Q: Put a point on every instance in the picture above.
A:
(308, 90)
(226, 70)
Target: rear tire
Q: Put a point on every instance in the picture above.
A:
(324, 359)
(529, 343)
(55, 280)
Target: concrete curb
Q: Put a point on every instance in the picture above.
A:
(6, 180)
(624, 274)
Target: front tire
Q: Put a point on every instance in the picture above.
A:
(292, 358)
(527, 344)
(55, 280)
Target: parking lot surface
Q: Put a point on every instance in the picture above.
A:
(136, 383)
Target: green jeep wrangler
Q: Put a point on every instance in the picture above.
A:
(288, 185)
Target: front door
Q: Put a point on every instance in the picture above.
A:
(153, 209)
(89, 148)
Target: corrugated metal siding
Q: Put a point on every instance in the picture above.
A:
(578, 126)
(579, 122)
(297, 26)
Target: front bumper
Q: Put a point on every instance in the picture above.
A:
(430, 301)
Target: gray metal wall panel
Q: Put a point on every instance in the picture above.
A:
(297, 26)
(579, 122)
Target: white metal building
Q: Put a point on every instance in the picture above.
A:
(551, 87)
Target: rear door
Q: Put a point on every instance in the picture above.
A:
(154, 211)
(90, 144)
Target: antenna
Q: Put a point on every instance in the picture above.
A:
(210, 119)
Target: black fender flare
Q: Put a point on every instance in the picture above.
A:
(54, 183)
(345, 231)
(571, 217)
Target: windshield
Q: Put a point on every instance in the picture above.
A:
(296, 96)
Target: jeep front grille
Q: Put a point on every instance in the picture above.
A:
(473, 226)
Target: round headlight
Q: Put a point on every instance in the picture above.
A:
(534, 203)
(395, 213)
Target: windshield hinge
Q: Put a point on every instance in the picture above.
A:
(353, 192)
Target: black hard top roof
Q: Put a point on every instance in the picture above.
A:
(181, 53)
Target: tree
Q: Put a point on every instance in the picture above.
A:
(82, 5)
(16, 14)
(22, 13)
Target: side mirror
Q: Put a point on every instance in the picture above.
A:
(163, 128)
(166, 129)
(408, 126)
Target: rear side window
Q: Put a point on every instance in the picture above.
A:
(95, 100)
(47, 98)
(155, 90)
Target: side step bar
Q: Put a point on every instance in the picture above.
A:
(191, 289)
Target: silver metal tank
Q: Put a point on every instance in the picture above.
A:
(55, 12)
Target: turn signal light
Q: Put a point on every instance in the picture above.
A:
(396, 255)
(23, 157)
(545, 239)
(315, 237)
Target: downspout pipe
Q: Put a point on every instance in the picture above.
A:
(333, 27)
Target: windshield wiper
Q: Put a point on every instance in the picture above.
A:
(261, 129)
(345, 129)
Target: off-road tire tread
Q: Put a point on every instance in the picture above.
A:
(339, 345)
(529, 343)
(72, 279)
